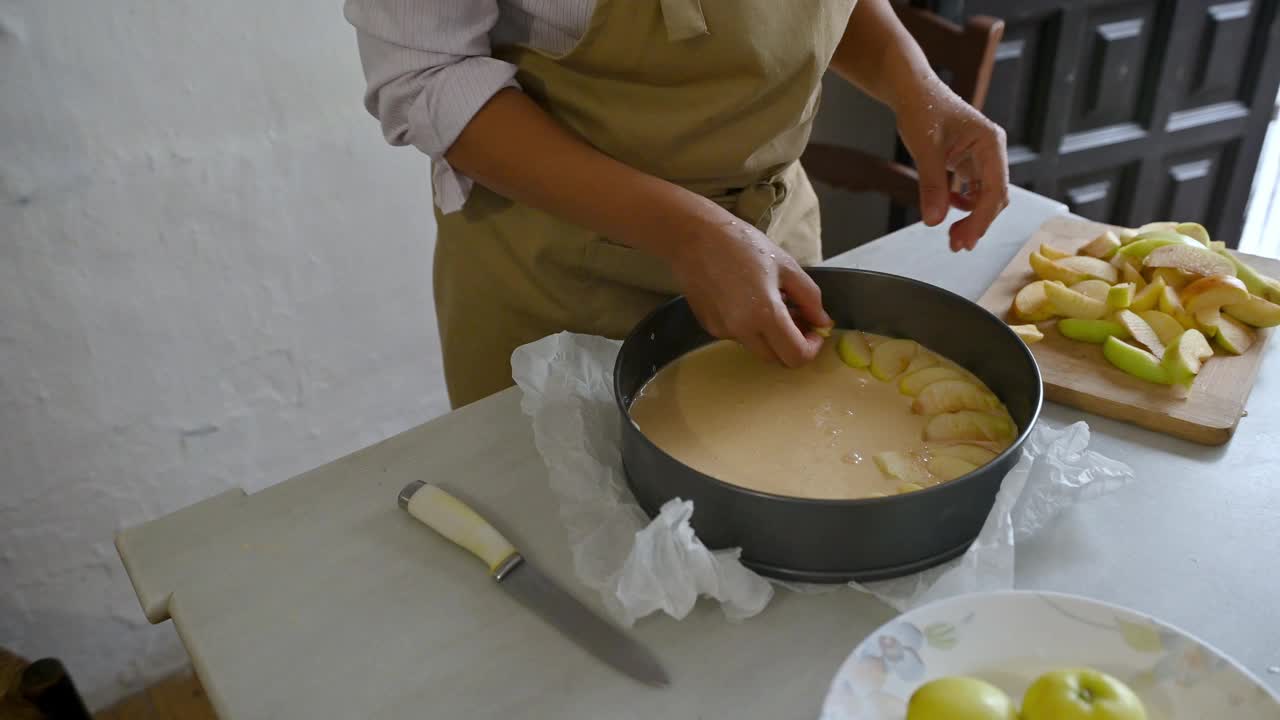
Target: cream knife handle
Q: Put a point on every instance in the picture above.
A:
(450, 517)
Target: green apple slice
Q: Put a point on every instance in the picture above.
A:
(1175, 279)
(902, 466)
(1160, 226)
(1252, 279)
(1195, 231)
(952, 395)
(1029, 334)
(1148, 243)
(891, 357)
(1121, 296)
(1135, 361)
(1234, 336)
(1167, 328)
(969, 425)
(1194, 259)
(1213, 292)
(1149, 297)
(913, 383)
(1184, 357)
(1209, 319)
(1031, 305)
(965, 451)
(1103, 246)
(853, 349)
(1255, 311)
(1140, 331)
(1069, 303)
(905, 488)
(945, 467)
(1051, 270)
(1091, 267)
(1094, 288)
(1090, 331)
(1052, 252)
(1131, 274)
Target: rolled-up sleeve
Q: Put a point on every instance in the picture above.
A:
(428, 69)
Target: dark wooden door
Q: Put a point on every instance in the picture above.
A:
(1132, 111)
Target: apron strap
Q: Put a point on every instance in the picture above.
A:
(756, 202)
(684, 19)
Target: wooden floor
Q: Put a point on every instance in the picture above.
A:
(177, 698)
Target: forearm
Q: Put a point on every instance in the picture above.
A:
(880, 57)
(514, 148)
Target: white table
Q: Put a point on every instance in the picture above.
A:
(319, 598)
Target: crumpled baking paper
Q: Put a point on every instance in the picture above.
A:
(641, 566)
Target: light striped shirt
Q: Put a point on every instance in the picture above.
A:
(429, 68)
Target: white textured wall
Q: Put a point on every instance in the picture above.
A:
(213, 273)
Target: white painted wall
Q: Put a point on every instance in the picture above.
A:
(213, 273)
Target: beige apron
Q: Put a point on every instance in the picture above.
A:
(714, 95)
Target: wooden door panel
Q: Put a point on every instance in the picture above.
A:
(1216, 67)
(1111, 68)
(1103, 193)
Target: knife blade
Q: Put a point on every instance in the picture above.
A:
(522, 580)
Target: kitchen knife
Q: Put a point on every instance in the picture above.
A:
(452, 518)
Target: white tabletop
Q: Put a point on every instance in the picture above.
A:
(319, 598)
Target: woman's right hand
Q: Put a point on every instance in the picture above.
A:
(743, 287)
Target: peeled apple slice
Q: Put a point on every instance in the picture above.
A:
(946, 468)
(952, 395)
(1103, 246)
(1167, 328)
(891, 357)
(1196, 260)
(1069, 303)
(1095, 289)
(923, 359)
(1091, 267)
(1027, 333)
(1031, 304)
(1142, 332)
(1051, 270)
(1052, 252)
(913, 383)
(969, 425)
(853, 349)
(902, 466)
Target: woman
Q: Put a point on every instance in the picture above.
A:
(592, 158)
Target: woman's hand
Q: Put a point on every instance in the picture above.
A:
(741, 286)
(944, 134)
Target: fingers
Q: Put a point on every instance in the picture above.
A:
(804, 295)
(989, 185)
(791, 347)
(934, 190)
(759, 346)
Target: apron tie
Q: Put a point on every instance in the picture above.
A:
(757, 201)
(684, 19)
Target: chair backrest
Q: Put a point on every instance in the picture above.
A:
(967, 53)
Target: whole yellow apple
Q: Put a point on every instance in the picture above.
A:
(960, 698)
(1080, 694)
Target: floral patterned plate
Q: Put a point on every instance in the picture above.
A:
(1010, 637)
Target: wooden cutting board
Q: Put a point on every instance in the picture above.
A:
(1076, 374)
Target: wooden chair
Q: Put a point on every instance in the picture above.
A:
(966, 54)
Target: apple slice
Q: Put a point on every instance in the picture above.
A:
(853, 349)
(1048, 269)
(915, 382)
(1031, 305)
(1120, 262)
(1272, 289)
(1208, 319)
(1213, 292)
(1171, 305)
(1167, 328)
(1175, 279)
(923, 359)
(1091, 267)
(1197, 260)
(1217, 245)
(1090, 331)
(1141, 331)
(1255, 311)
(1103, 246)
(902, 466)
(945, 467)
(1053, 253)
(1185, 355)
(1251, 278)
(1121, 296)
(1149, 297)
(1126, 235)
(1135, 361)
(1131, 274)
(905, 488)
(1195, 231)
(1095, 289)
(969, 425)
(965, 451)
(1069, 303)
(890, 358)
(1027, 333)
(1146, 244)
(1161, 226)
(1234, 336)
(952, 395)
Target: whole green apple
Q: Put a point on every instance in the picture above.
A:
(960, 698)
(1080, 694)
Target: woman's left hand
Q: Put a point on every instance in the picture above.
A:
(944, 134)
